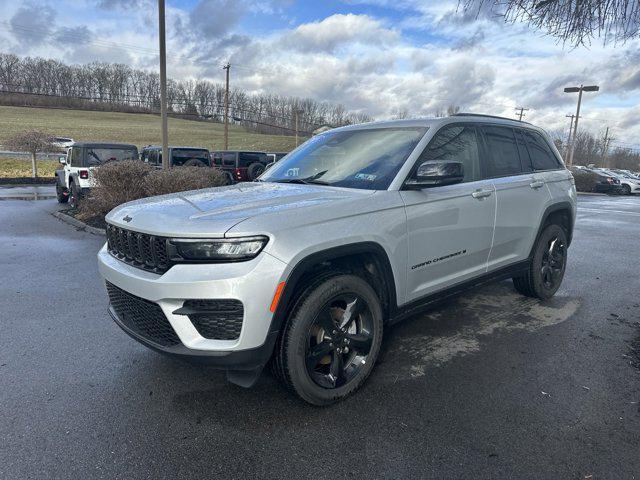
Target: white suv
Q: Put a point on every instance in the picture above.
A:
(75, 180)
(355, 229)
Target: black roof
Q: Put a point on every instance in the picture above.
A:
(104, 145)
(237, 151)
(159, 147)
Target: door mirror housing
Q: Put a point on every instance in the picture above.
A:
(62, 159)
(435, 174)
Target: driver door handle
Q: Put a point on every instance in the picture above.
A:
(481, 193)
(536, 184)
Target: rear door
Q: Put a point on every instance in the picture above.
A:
(548, 166)
(449, 228)
(521, 194)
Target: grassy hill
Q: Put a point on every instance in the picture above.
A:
(139, 129)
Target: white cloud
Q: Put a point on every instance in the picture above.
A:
(339, 31)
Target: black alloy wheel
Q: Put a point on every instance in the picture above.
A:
(339, 342)
(331, 339)
(553, 262)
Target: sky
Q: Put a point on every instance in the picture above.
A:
(380, 57)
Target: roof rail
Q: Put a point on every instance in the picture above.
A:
(463, 114)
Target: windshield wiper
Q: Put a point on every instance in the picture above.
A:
(313, 179)
(302, 181)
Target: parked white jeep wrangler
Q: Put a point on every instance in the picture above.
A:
(74, 180)
(357, 228)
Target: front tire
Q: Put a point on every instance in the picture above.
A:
(546, 271)
(626, 190)
(331, 340)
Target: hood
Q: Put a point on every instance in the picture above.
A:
(212, 212)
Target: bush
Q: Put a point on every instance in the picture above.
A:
(180, 179)
(585, 179)
(121, 182)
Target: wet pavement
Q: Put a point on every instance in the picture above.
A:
(487, 385)
(27, 192)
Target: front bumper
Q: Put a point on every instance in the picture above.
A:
(253, 283)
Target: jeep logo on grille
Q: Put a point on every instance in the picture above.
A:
(127, 219)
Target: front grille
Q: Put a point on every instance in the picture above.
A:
(141, 250)
(142, 317)
(215, 319)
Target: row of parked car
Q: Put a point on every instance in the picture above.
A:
(73, 179)
(604, 180)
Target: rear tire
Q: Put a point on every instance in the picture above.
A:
(61, 194)
(546, 271)
(254, 171)
(74, 195)
(626, 190)
(331, 340)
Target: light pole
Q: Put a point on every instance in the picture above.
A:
(580, 89)
(163, 85)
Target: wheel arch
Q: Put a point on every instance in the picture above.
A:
(366, 258)
(561, 213)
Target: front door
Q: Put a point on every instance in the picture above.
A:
(449, 228)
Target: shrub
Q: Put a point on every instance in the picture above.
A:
(180, 179)
(585, 179)
(120, 182)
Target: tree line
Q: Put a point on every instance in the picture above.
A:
(591, 149)
(117, 87)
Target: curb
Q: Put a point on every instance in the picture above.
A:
(60, 215)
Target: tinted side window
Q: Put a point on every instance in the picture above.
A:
(502, 159)
(76, 157)
(541, 155)
(217, 158)
(229, 159)
(525, 159)
(456, 143)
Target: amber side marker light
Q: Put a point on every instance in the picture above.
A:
(276, 297)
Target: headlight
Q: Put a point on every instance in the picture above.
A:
(217, 250)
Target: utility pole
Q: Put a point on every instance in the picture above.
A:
(521, 114)
(163, 85)
(297, 113)
(580, 89)
(227, 67)
(569, 139)
(605, 148)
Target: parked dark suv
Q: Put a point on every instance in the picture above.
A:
(241, 166)
(180, 156)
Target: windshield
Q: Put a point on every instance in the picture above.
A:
(98, 156)
(366, 159)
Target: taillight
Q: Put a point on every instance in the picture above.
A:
(238, 173)
(84, 174)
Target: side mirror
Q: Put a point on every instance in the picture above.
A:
(435, 174)
(62, 160)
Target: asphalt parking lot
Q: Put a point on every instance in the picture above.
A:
(487, 385)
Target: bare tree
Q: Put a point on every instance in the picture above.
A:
(32, 141)
(453, 109)
(571, 21)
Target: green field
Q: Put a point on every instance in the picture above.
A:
(139, 129)
(16, 167)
